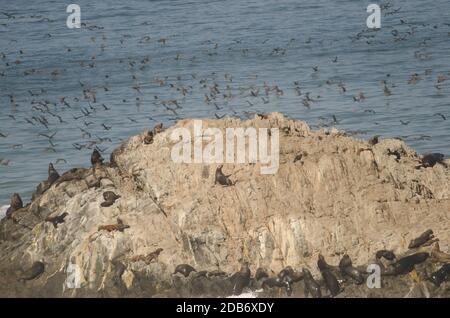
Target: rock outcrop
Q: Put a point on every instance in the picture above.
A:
(332, 194)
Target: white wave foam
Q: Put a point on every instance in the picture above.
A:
(3, 211)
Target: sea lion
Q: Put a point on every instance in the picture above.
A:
(158, 128)
(389, 255)
(440, 275)
(55, 220)
(96, 158)
(221, 178)
(431, 159)
(426, 238)
(311, 286)
(14, 205)
(298, 157)
(154, 255)
(439, 256)
(147, 259)
(374, 140)
(347, 269)
(184, 269)
(271, 282)
(260, 274)
(110, 198)
(120, 226)
(148, 139)
(53, 175)
(290, 273)
(34, 271)
(330, 280)
(287, 271)
(406, 264)
(241, 279)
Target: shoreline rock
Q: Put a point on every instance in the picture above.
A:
(342, 195)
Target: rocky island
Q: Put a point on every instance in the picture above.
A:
(145, 226)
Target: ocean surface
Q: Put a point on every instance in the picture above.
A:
(134, 63)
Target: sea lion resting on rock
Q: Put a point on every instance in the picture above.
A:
(110, 198)
(14, 205)
(96, 158)
(311, 286)
(330, 280)
(406, 264)
(431, 159)
(347, 269)
(184, 269)
(240, 279)
(55, 220)
(120, 226)
(425, 239)
(147, 259)
(260, 273)
(53, 175)
(221, 178)
(389, 255)
(440, 275)
(288, 271)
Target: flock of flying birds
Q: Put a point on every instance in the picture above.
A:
(46, 116)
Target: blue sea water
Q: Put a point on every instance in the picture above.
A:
(138, 57)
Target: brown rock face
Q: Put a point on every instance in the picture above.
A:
(332, 195)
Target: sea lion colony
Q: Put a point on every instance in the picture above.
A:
(332, 282)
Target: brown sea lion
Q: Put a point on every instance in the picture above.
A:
(184, 269)
(55, 220)
(147, 259)
(14, 205)
(406, 264)
(389, 255)
(221, 178)
(96, 158)
(53, 175)
(374, 140)
(110, 198)
(120, 226)
(330, 280)
(260, 273)
(426, 238)
(148, 139)
(440, 275)
(347, 269)
(431, 159)
(311, 286)
(290, 273)
(158, 128)
(240, 279)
